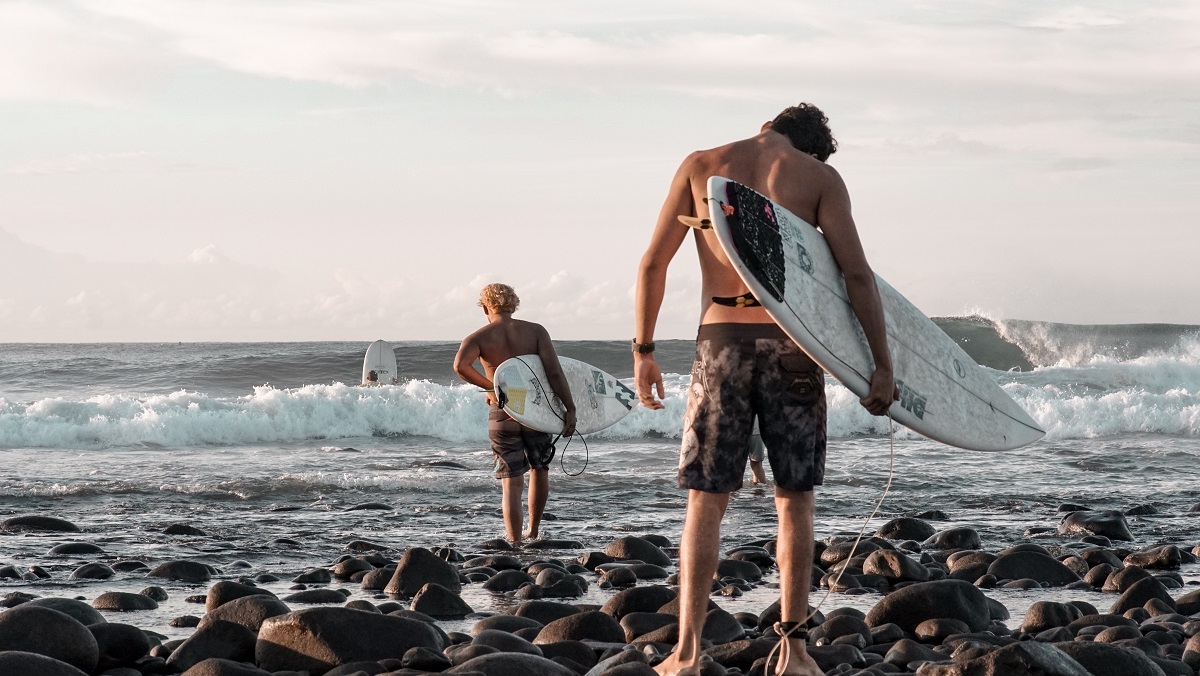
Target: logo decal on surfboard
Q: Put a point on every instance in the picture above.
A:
(910, 400)
(598, 382)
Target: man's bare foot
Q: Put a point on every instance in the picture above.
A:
(672, 667)
(794, 660)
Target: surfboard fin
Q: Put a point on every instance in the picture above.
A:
(696, 222)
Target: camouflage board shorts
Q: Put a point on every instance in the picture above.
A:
(516, 447)
(743, 371)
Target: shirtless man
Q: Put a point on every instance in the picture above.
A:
(518, 449)
(746, 367)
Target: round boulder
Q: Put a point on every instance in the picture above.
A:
(909, 606)
(906, 528)
(38, 522)
(633, 547)
(22, 663)
(1109, 523)
(124, 601)
(35, 629)
(318, 639)
(954, 538)
(417, 568)
(248, 611)
(1032, 565)
(591, 625)
(183, 571)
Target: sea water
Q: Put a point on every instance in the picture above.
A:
(263, 445)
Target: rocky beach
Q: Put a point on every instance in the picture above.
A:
(916, 597)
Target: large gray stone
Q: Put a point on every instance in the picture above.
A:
(215, 666)
(633, 547)
(440, 603)
(644, 599)
(895, 566)
(318, 639)
(79, 610)
(954, 538)
(1106, 659)
(1032, 565)
(1026, 657)
(954, 599)
(590, 625)
(22, 663)
(48, 632)
(124, 601)
(38, 522)
(1139, 593)
(248, 611)
(1109, 523)
(906, 528)
(227, 590)
(224, 640)
(184, 571)
(511, 664)
(417, 568)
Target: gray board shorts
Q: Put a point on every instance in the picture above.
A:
(516, 447)
(744, 371)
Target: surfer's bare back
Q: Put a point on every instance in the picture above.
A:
(747, 368)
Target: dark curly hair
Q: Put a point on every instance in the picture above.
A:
(808, 130)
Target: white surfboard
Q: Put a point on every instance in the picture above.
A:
(789, 268)
(600, 399)
(381, 359)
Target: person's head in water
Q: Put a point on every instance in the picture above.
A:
(372, 376)
(498, 298)
(807, 128)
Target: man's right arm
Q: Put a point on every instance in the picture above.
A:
(652, 281)
(464, 366)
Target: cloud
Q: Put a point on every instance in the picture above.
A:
(683, 47)
(79, 164)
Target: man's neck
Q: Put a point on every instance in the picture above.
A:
(494, 317)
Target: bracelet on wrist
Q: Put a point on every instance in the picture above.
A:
(643, 348)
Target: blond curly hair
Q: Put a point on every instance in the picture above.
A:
(499, 298)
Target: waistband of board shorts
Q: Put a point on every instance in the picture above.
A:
(740, 331)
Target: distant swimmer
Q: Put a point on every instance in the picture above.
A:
(747, 368)
(517, 448)
(372, 378)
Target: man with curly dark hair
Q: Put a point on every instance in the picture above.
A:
(746, 368)
(518, 449)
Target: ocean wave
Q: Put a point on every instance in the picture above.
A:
(1157, 392)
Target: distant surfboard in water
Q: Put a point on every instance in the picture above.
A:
(789, 268)
(380, 360)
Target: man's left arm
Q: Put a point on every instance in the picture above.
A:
(834, 217)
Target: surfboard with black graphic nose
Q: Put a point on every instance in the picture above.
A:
(787, 265)
(525, 393)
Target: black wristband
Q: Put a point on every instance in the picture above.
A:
(643, 348)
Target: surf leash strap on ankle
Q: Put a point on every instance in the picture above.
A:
(798, 630)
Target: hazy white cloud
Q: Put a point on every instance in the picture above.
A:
(79, 164)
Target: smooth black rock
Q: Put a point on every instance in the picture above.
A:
(419, 567)
(22, 663)
(545, 612)
(119, 644)
(1109, 523)
(317, 639)
(75, 549)
(1166, 557)
(227, 590)
(1139, 593)
(248, 611)
(38, 522)
(440, 603)
(911, 605)
(644, 599)
(906, 528)
(183, 571)
(895, 567)
(214, 666)
(79, 610)
(92, 571)
(1043, 615)
(511, 664)
(1032, 565)
(633, 547)
(1104, 659)
(48, 632)
(509, 623)
(316, 596)
(224, 640)
(424, 659)
(590, 625)
(183, 529)
(1028, 657)
(124, 601)
(505, 642)
(954, 538)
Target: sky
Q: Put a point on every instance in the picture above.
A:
(253, 170)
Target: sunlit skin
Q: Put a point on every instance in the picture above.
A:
(811, 189)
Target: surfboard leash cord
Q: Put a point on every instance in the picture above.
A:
(799, 628)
